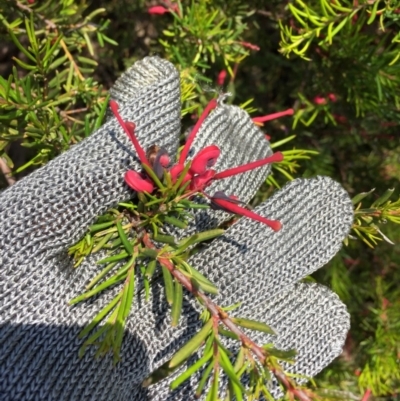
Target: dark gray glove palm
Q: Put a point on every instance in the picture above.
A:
(45, 213)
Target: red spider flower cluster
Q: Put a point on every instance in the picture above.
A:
(198, 175)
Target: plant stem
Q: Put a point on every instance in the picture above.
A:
(220, 315)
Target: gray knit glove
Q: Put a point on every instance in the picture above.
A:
(48, 211)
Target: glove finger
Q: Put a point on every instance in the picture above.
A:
(51, 208)
(240, 142)
(141, 74)
(251, 263)
(306, 317)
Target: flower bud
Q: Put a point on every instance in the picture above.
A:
(205, 159)
(138, 183)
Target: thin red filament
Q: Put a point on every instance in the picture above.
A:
(129, 129)
(276, 157)
(274, 116)
(234, 208)
(211, 105)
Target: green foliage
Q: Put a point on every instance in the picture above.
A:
(382, 210)
(50, 101)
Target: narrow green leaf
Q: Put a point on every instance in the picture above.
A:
(385, 197)
(101, 275)
(98, 227)
(282, 142)
(146, 282)
(21, 47)
(127, 245)
(281, 354)
(177, 303)
(151, 267)
(150, 253)
(191, 205)
(211, 289)
(86, 60)
(101, 243)
(99, 120)
(373, 12)
(25, 65)
(50, 52)
(94, 337)
(131, 290)
(204, 378)
(114, 243)
(154, 202)
(191, 370)
(213, 393)
(118, 276)
(253, 325)
(191, 346)
(200, 237)
(169, 285)
(203, 281)
(159, 374)
(227, 333)
(239, 360)
(181, 177)
(232, 307)
(153, 176)
(165, 239)
(175, 222)
(100, 316)
(230, 371)
(113, 258)
(358, 198)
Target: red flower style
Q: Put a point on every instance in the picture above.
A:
(200, 172)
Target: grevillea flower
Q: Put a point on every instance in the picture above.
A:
(199, 172)
(320, 100)
(221, 77)
(159, 10)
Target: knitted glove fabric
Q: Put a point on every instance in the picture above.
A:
(45, 213)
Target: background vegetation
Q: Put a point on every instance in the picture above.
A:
(336, 62)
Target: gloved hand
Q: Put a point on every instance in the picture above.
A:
(48, 211)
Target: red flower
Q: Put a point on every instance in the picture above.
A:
(158, 10)
(221, 77)
(200, 173)
(320, 100)
(332, 97)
